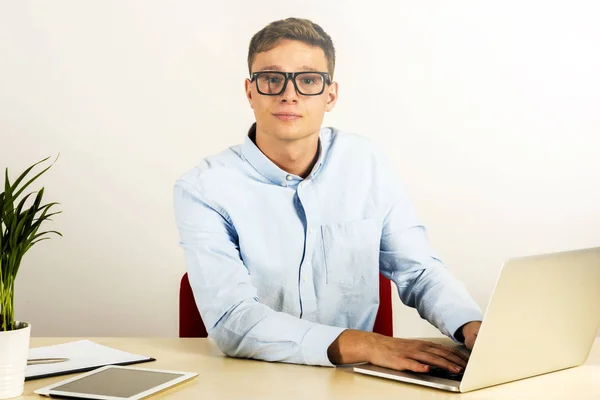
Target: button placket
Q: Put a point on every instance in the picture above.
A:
(307, 288)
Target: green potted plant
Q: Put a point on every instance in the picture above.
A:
(19, 230)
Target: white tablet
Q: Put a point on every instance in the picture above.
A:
(114, 382)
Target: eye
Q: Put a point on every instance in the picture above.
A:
(271, 79)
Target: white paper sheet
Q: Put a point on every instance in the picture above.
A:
(82, 354)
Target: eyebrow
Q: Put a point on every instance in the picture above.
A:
(279, 68)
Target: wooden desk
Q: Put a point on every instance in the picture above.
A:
(226, 378)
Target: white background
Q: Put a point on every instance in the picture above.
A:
(489, 110)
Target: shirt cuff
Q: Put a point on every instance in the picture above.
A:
(315, 343)
(460, 318)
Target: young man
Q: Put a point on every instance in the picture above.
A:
(285, 235)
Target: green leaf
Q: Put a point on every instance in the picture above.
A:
(8, 199)
(47, 217)
(24, 174)
(42, 217)
(34, 178)
(36, 241)
(38, 199)
(22, 203)
(18, 233)
(44, 233)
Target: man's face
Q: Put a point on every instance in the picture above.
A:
(290, 115)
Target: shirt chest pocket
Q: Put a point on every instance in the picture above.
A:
(351, 252)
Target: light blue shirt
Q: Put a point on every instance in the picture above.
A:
(281, 265)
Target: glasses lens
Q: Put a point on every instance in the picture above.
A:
(270, 82)
(310, 83)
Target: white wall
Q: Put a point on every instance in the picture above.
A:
(490, 112)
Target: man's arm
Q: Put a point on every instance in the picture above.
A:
(424, 283)
(468, 333)
(354, 346)
(422, 279)
(226, 298)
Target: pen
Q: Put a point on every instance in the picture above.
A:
(36, 361)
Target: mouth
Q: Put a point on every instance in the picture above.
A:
(287, 116)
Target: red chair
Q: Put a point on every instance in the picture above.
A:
(191, 325)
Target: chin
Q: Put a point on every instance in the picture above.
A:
(287, 131)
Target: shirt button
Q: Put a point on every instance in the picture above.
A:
(289, 177)
(284, 184)
(310, 231)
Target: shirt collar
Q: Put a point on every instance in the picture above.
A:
(260, 162)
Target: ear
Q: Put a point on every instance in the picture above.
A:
(248, 88)
(332, 96)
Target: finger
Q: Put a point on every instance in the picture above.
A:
(469, 343)
(399, 362)
(435, 360)
(453, 350)
(407, 364)
(449, 355)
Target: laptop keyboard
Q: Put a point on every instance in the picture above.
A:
(442, 373)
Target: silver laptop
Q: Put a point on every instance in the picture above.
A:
(544, 313)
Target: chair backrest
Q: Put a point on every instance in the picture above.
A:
(191, 325)
(190, 322)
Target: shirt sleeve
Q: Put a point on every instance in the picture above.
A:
(406, 258)
(226, 298)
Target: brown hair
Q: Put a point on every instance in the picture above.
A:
(299, 29)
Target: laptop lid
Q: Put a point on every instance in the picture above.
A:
(543, 316)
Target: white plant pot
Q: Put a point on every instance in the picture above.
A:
(14, 348)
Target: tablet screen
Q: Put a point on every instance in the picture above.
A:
(118, 382)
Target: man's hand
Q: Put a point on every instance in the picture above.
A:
(470, 331)
(354, 346)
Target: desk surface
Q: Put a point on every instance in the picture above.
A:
(227, 378)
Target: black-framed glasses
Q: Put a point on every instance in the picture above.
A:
(273, 83)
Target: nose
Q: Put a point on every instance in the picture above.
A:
(289, 94)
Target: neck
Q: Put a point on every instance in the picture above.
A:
(293, 156)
